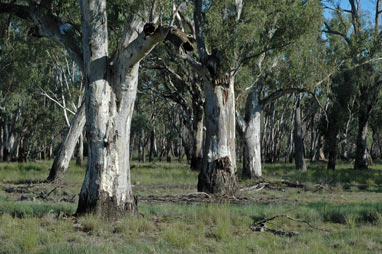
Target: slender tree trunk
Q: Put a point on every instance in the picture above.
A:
(197, 133)
(361, 154)
(65, 153)
(313, 138)
(331, 142)
(168, 149)
(298, 139)
(152, 145)
(252, 143)
(219, 173)
(7, 146)
(143, 147)
(2, 143)
(80, 152)
(290, 141)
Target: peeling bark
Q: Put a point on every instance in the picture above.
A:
(250, 129)
(219, 173)
(110, 97)
(107, 187)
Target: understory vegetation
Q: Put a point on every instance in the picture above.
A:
(334, 212)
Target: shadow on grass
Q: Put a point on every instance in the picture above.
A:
(317, 173)
(36, 181)
(360, 213)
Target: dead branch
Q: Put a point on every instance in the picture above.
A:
(197, 194)
(257, 187)
(50, 192)
(293, 185)
(260, 226)
(264, 228)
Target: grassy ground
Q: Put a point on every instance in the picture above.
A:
(343, 208)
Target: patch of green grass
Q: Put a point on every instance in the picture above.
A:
(163, 173)
(178, 236)
(24, 172)
(37, 209)
(134, 225)
(352, 215)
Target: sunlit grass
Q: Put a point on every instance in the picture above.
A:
(350, 215)
(24, 172)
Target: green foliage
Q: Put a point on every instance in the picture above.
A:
(263, 26)
(29, 66)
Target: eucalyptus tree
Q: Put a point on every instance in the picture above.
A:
(70, 99)
(110, 82)
(228, 35)
(294, 68)
(363, 50)
(375, 126)
(29, 122)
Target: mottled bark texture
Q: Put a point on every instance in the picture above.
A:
(249, 128)
(219, 173)
(111, 91)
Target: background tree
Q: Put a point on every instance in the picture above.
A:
(362, 51)
(31, 124)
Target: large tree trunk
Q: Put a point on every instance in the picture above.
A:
(298, 139)
(65, 153)
(110, 98)
(252, 143)
(219, 174)
(361, 153)
(107, 188)
(111, 92)
(197, 133)
(111, 84)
